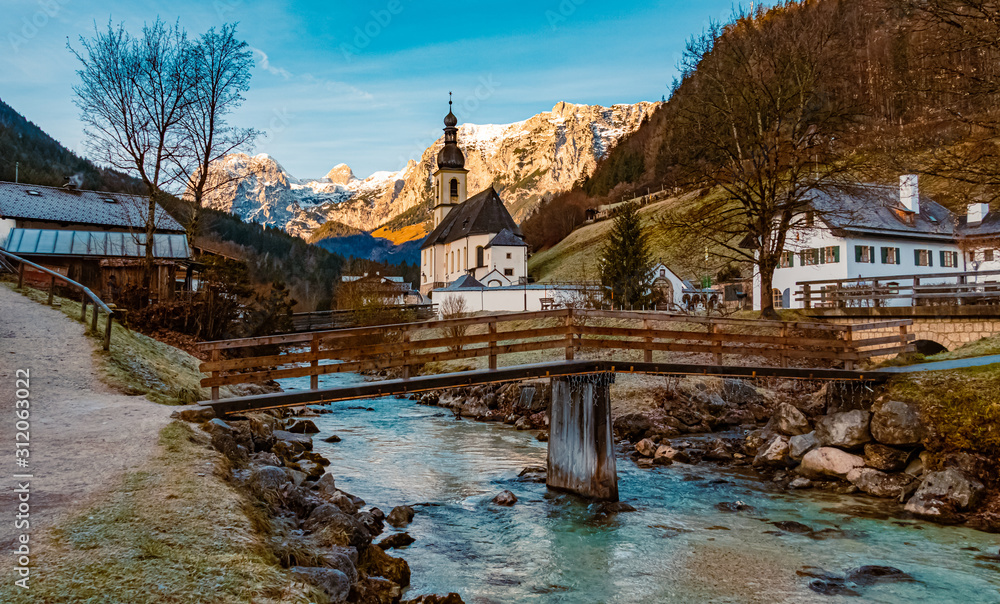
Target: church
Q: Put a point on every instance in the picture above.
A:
(473, 237)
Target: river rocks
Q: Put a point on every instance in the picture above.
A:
(268, 478)
(533, 474)
(942, 495)
(452, 598)
(718, 450)
(801, 444)
(872, 574)
(396, 540)
(632, 426)
(646, 447)
(522, 423)
(375, 562)
(789, 421)
(879, 484)
(226, 444)
(882, 457)
(342, 501)
(295, 442)
(739, 392)
(666, 455)
(800, 483)
(303, 426)
(195, 414)
(505, 498)
(400, 516)
(828, 461)
(846, 429)
(333, 438)
(333, 582)
(311, 469)
(774, 453)
(338, 559)
(326, 485)
(331, 526)
(897, 423)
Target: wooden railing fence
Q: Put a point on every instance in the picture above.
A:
(410, 345)
(964, 288)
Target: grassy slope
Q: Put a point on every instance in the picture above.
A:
(575, 257)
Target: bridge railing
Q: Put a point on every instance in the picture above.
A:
(929, 289)
(408, 346)
(86, 295)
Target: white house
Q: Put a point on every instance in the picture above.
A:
(669, 285)
(864, 232)
(473, 236)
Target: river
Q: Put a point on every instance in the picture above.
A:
(678, 547)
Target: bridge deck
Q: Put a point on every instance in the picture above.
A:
(522, 372)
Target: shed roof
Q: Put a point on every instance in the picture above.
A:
(54, 242)
(506, 238)
(465, 282)
(480, 214)
(75, 206)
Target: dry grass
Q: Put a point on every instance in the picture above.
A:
(138, 364)
(174, 531)
(403, 234)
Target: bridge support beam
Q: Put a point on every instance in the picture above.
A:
(581, 446)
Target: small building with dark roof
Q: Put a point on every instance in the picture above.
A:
(93, 237)
(471, 235)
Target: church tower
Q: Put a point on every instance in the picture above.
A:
(450, 177)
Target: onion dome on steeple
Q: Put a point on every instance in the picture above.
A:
(451, 156)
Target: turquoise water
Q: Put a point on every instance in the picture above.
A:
(678, 547)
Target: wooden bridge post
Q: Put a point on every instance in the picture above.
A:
(569, 334)
(493, 343)
(581, 447)
(215, 358)
(314, 364)
(20, 275)
(648, 356)
(52, 289)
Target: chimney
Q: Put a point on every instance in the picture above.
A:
(977, 211)
(909, 192)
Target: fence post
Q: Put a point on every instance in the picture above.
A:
(807, 295)
(783, 359)
(648, 357)
(876, 294)
(849, 345)
(569, 334)
(713, 329)
(20, 275)
(93, 321)
(314, 364)
(107, 333)
(406, 353)
(52, 289)
(493, 342)
(215, 389)
(903, 335)
(83, 309)
(913, 292)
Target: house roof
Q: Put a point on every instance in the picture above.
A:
(876, 210)
(506, 238)
(54, 242)
(480, 214)
(464, 282)
(75, 206)
(989, 227)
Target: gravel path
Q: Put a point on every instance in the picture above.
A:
(83, 435)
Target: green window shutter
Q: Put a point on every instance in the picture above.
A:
(885, 255)
(822, 255)
(871, 254)
(943, 263)
(930, 258)
(916, 257)
(857, 253)
(791, 259)
(836, 254)
(898, 258)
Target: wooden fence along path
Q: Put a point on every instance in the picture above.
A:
(411, 345)
(339, 319)
(963, 288)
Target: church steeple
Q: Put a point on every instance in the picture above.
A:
(450, 177)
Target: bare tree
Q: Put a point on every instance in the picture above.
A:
(759, 122)
(221, 64)
(134, 94)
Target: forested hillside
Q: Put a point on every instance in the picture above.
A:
(891, 86)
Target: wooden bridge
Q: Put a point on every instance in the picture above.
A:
(546, 344)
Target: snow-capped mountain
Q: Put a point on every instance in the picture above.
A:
(543, 155)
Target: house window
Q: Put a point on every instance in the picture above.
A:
(508, 272)
(988, 255)
(923, 258)
(663, 273)
(972, 256)
(831, 254)
(509, 255)
(949, 259)
(809, 257)
(890, 255)
(864, 254)
(787, 260)
(454, 188)
(479, 256)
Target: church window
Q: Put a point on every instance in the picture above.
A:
(480, 261)
(454, 188)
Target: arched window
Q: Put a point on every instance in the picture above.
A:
(454, 188)
(453, 262)
(480, 261)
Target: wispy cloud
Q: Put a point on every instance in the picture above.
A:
(265, 63)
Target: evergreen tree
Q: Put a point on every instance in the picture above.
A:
(626, 263)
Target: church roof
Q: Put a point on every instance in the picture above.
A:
(506, 238)
(480, 214)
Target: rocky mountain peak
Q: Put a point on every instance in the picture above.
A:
(340, 174)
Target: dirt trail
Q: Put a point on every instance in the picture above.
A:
(83, 435)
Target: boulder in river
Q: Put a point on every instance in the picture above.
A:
(334, 583)
(268, 478)
(789, 421)
(373, 561)
(879, 484)
(847, 429)
(296, 442)
(333, 438)
(801, 444)
(897, 423)
(303, 426)
(718, 450)
(452, 598)
(505, 498)
(829, 461)
(666, 455)
(400, 516)
(632, 426)
(340, 560)
(774, 453)
(942, 495)
(646, 447)
(885, 458)
(396, 540)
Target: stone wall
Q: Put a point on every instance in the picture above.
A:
(950, 332)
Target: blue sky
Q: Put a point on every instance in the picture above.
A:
(366, 83)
